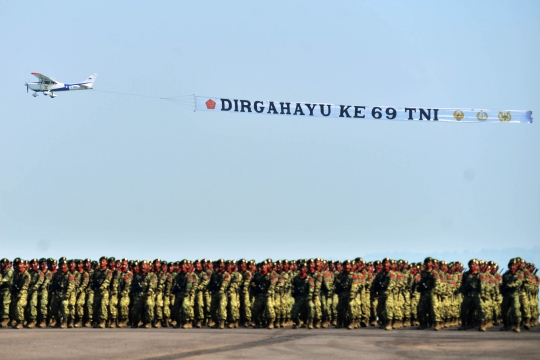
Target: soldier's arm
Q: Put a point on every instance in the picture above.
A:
(106, 281)
(128, 279)
(85, 280)
(39, 282)
(225, 282)
(246, 279)
(273, 283)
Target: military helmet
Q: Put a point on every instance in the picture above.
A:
(42, 260)
(103, 257)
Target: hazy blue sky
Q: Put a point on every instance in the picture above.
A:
(92, 173)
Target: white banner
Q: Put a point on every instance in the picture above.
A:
(360, 112)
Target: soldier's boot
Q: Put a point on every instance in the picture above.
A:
(516, 328)
(88, 323)
(221, 324)
(310, 324)
(42, 324)
(317, 324)
(198, 324)
(395, 324)
(334, 322)
(52, 322)
(165, 323)
(351, 325)
(101, 324)
(78, 323)
(422, 326)
(112, 324)
(438, 326)
(31, 324)
(483, 326)
(13, 323)
(364, 322)
(373, 323)
(211, 323)
(526, 324)
(157, 324)
(281, 323)
(388, 325)
(70, 324)
(186, 325)
(270, 325)
(146, 325)
(17, 325)
(325, 324)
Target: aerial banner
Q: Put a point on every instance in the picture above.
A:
(266, 107)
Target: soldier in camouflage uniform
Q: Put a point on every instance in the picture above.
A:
(112, 306)
(62, 286)
(469, 289)
(89, 295)
(374, 293)
(72, 301)
(36, 280)
(184, 290)
(80, 293)
(512, 281)
(43, 293)
(245, 301)
(263, 285)
(346, 286)
(124, 289)
(303, 286)
(158, 295)
(101, 281)
(207, 294)
(144, 287)
(19, 293)
(219, 283)
(233, 293)
(6, 280)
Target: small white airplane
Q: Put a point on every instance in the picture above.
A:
(49, 86)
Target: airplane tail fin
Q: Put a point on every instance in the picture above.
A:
(90, 80)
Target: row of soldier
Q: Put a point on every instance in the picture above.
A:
(311, 293)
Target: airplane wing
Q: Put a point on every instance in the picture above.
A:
(44, 78)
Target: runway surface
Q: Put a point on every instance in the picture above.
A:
(165, 344)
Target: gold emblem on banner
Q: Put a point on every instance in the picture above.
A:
(505, 117)
(458, 115)
(482, 115)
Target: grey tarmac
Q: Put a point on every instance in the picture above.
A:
(169, 344)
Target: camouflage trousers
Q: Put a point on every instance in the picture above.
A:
(60, 306)
(525, 307)
(233, 307)
(5, 301)
(113, 306)
(101, 305)
(425, 309)
(72, 303)
(143, 308)
(281, 305)
(317, 307)
(327, 303)
(415, 298)
(374, 301)
(207, 303)
(335, 301)
(218, 308)
(302, 311)
(245, 306)
(167, 306)
(183, 308)
(483, 307)
(43, 304)
(385, 307)
(406, 306)
(468, 311)
(79, 305)
(397, 297)
(18, 304)
(511, 309)
(345, 309)
(158, 306)
(32, 306)
(199, 305)
(262, 308)
(89, 305)
(123, 306)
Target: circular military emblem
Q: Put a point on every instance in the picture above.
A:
(505, 116)
(482, 115)
(458, 115)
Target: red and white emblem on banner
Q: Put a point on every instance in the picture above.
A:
(210, 104)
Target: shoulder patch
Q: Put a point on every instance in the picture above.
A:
(70, 277)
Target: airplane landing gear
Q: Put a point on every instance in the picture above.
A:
(35, 94)
(53, 95)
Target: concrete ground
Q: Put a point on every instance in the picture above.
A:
(260, 344)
